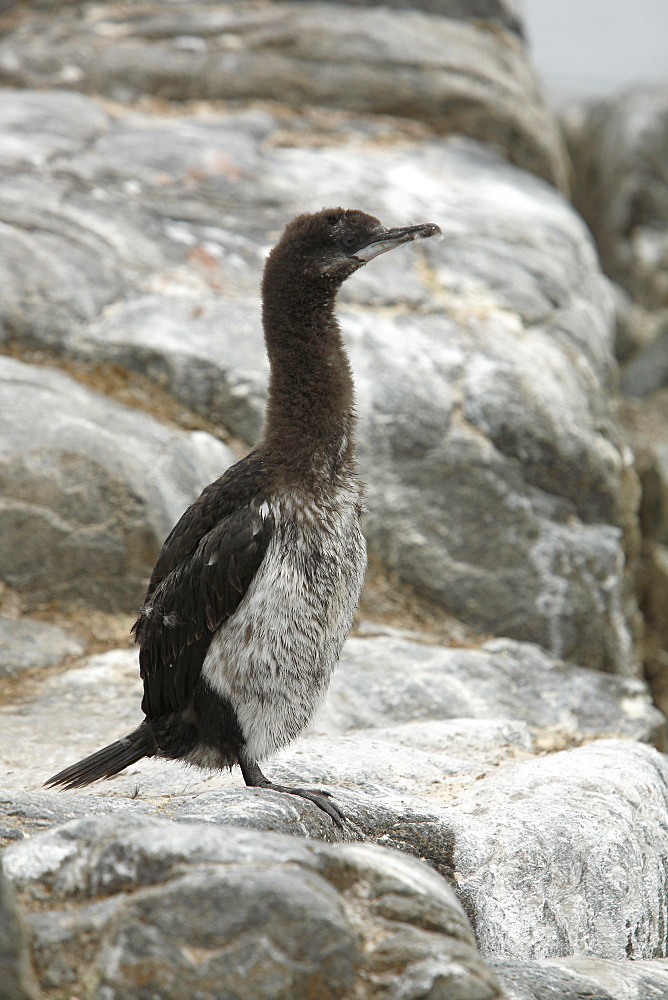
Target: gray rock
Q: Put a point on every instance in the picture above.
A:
(588, 978)
(451, 73)
(207, 350)
(551, 855)
(26, 813)
(501, 12)
(618, 145)
(26, 644)
(14, 964)
(90, 488)
(455, 428)
(565, 855)
(386, 681)
(647, 429)
(39, 127)
(647, 371)
(474, 708)
(206, 907)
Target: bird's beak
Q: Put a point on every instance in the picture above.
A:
(391, 238)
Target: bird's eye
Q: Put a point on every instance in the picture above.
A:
(349, 241)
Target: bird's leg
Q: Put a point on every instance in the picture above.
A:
(254, 777)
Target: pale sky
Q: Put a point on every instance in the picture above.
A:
(595, 46)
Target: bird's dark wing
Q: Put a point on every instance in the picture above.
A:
(199, 580)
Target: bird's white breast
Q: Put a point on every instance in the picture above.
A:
(274, 657)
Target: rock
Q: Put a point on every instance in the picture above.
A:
(450, 73)
(200, 906)
(207, 350)
(647, 429)
(497, 12)
(90, 488)
(27, 644)
(577, 978)
(15, 976)
(551, 855)
(39, 127)
(617, 145)
(474, 708)
(564, 855)
(26, 813)
(647, 371)
(455, 428)
(383, 681)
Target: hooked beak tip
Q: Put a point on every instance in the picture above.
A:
(392, 238)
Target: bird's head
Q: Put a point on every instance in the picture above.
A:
(335, 242)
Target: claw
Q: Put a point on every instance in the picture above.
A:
(254, 777)
(317, 796)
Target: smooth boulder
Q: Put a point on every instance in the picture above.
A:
(90, 488)
(143, 903)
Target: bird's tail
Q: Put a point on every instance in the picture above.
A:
(108, 761)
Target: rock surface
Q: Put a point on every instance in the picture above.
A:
(27, 644)
(445, 341)
(269, 916)
(89, 488)
(580, 978)
(619, 148)
(647, 371)
(451, 73)
(388, 681)
(500, 488)
(14, 960)
(580, 838)
(425, 775)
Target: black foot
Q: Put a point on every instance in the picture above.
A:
(254, 778)
(320, 798)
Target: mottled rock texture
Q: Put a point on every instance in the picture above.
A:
(165, 222)
(89, 488)
(456, 74)
(16, 979)
(619, 148)
(26, 644)
(552, 854)
(148, 907)
(514, 781)
(583, 979)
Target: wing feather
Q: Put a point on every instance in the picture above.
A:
(205, 568)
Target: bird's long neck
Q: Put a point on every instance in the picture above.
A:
(310, 408)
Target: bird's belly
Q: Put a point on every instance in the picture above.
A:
(274, 657)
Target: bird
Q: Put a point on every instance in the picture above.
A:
(255, 588)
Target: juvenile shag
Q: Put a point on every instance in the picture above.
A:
(255, 588)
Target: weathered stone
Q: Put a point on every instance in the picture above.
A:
(577, 978)
(501, 12)
(455, 427)
(647, 429)
(647, 371)
(25, 813)
(14, 963)
(208, 350)
(90, 488)
(387, 681)
(551, 855)
(566, 855)
(38, 127)
(487, 706)
(253, 912)
(618, 145)
(27, 644)
(451, 73)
